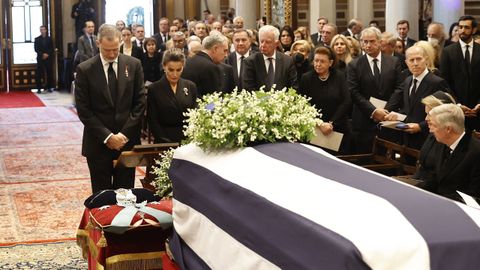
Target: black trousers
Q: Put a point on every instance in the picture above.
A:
(104, 176)
(44, 66)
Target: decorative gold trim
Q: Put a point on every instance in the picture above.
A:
(134, 256)
(268, 10)
(287, 10)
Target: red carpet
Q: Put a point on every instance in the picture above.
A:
(19, 99)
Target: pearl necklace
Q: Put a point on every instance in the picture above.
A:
(325, 78)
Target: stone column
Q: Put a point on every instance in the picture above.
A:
(448, 11)
(213, 5)
(361, 9)
(248, 10)
(402, 10)
(325, 8)
(179, 9)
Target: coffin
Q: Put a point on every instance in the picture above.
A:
(294, 206)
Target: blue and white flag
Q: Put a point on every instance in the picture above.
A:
(294, 206)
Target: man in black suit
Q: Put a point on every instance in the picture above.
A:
(317, 37)
(408, 99)
(370, 75)
(460, 66)
(139, 37)
(162, 36)
(269, 67)
(457, 167)
(44, 48)
(110, 100)
(402, 29)
(354, 28)
(241, 42)
(203, 68)
(328, 32)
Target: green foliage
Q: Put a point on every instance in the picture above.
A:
(228, 121)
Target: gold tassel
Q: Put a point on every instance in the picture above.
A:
(102, 242)
(89, 225)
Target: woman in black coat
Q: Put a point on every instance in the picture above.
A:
(169, 98)
(328, 92)
(151, 62)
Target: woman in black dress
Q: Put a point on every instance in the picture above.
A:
(151, 62)
(169, 98)
(328, 91)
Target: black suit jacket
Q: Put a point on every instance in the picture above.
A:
(207, 75)
(315, 39)
(410, 43)
(255, 72)
(460, 171)
(228, 82)
(165, 108)
(346, 33)
(136, 51)
(96, 107)
(43, 46)
(412, 106)
(232, 61)
(465, 84)
(159, 40)
(363, 86)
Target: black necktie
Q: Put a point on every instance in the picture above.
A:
(414, 89)
(141, 44)
(376, 71)
(91, 43)
(112, 82)
(240, 73)
(270, 74)
(467, 57)
(447, 152)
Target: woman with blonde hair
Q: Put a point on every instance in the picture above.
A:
(355, 48)
(433, 55)
(342, 51)
(300, 52)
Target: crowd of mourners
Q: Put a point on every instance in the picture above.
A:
(359, 79)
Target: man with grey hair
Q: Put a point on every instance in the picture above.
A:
(329, 30)
(387, 46)
(110, 100)
(238, 22)
(203, 68)
(354, 28)
(457, 163)
(372, 75)
(269, 68)
(408, 99)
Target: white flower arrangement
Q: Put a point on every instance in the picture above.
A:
(228, 121)
(162, 183)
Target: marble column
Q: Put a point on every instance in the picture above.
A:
(325, 8)
(361, 9)
(448, 11)
(213, 5)
(179, 9)
(402, 10)
(248, 10)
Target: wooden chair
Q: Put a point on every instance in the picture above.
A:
(385, 157)
(408, 169)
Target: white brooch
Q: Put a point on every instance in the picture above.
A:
(185, 90)
(126, 71)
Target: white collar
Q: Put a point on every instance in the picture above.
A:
(370, 59)
(455, 143)
(245, 55)
(463, 44)
(105, 62)
(421, 76)
(265, 58)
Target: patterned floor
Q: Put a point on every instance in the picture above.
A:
(63, 255)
